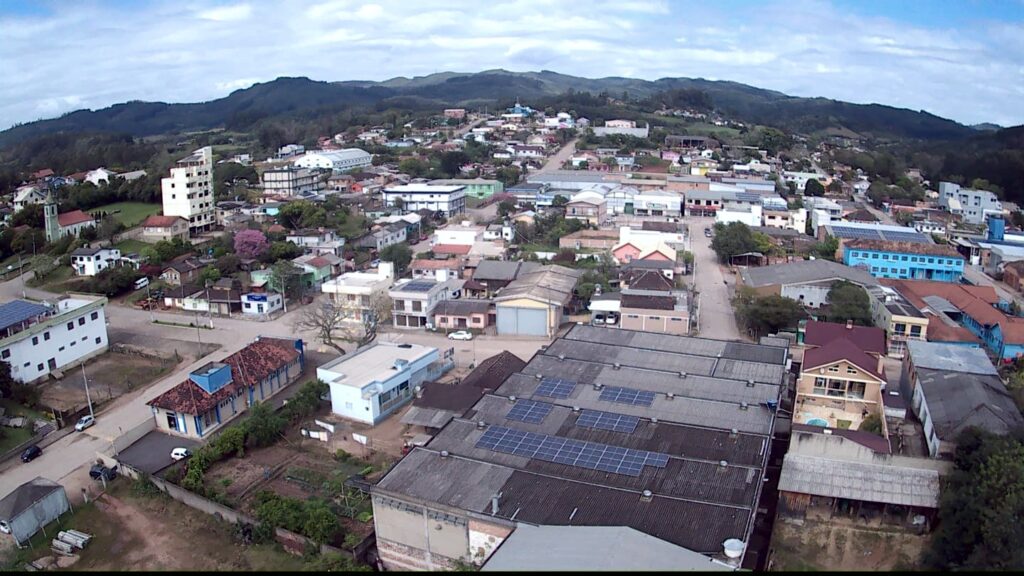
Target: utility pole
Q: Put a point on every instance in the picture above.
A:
(21, 272)
(199, 338)
(149, 304)
(88, 398)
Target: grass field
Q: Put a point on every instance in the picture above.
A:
(129, 213)
(129, 246)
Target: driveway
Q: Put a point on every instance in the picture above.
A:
(716, 318)
(563, 154)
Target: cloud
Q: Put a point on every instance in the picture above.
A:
(163, 50)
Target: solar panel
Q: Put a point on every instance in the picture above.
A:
(627, 396)
(529, 411)
(418, 286)
(608, 421)
(589, 455)
(555, 388)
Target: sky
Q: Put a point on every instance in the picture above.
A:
(962, 59)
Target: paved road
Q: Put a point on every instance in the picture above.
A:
(555, 161)
(716, 317)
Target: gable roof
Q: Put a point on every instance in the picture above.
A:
(24, 496)
(552, 284)
(904, 248)
(456, 249)
(651, 280)
(838, 350)
(456, 398)
(804, 271)
(502, 271)
(156, 221)
(866, 338)
(975, 301)
(426, 264)
(957, 400)
(73, 217)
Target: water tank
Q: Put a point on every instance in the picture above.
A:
(733, 548)
(996, 227)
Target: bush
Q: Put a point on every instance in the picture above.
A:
(872, 424)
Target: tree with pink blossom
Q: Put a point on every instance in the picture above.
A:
(251, 244)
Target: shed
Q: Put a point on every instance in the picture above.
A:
(31, 507)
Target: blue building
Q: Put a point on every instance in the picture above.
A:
(905, 260)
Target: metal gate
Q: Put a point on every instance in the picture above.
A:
(522, 321)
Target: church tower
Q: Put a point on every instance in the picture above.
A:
(50, 214)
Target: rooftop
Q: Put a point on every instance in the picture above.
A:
(373, 363)
(462, 307)
(422, 188)
(553, 284)
(866, 338)
(804, 271)
(502, 271)
(439, 402)
(904, 247)
(73, 217)
(17, 311)
(957, 400)
(950, 358)
(161, 221)
(837, 349)
(24, 496)
(875, 231)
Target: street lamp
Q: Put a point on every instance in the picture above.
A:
(88, 397)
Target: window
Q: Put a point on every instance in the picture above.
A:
(71, 326)
(833, 369)
(819, 385)
(84, 338)
(35, 340)
(885, 256)
(94, 316)
(836, 387)
(25, 365)
(5, 353)
(931, 260)
(61, 349)
(99, 340)
(39, 367)
(81, 321)
(904, 258)
(851, 371)
(73, 343)
(46, 335)
(913, 258)
(856, 390)
(172, 420)
(915, 331)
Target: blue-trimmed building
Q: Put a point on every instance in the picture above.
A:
(905, 260)
(217, 392)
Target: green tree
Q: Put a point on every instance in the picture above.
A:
(301, 214)
(209, 274)
(826, 250)
(263, 426)
(835, 186)
(813, 188)
(452, 162)
(848, 301)
(30, 215)
(399, 254)
(559, 201)
(732, 239)
(767, 314)
(282, 251)
(413, 167)
(506, 207)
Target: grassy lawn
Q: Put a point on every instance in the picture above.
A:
(129, 213)
(62, 279)
(13, 437)
(129, 246)
(474, 202)
(534, 247)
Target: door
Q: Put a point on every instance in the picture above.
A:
(522, 321)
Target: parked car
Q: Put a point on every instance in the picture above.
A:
(100, 471)
(707, 232)
(180, 453)
(375, 263)
(31, 453)
(84, 422)
(461, 335)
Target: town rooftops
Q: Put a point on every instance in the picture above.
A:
(437, 402)
(423, 188)
(462, 307)
(867, 338)
(804, 271)
(426, 264)
(73, 217)
(651, 280)
(88, 251)
(958, 400)
(374, 363)
(848, 231)
(553, 440)
(904, 247)
(161, 221)
(950, 358)
(451, 249)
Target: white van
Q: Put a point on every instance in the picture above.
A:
(142, 283)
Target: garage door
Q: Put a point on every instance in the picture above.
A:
(522, 321)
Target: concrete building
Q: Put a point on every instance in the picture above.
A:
(588, 206)
(261, 303)
(189, 191)
(92, 261)
(336, 160)
(218, 392)
(37, 339)
(27, 195)
(973, 205)
(361, 293)
(900, 319)
(367, 385)
(414, 300)
(448, 200)
(384, 236)
(99, 176)
(475, 187)
(890, 259)
(535, 303)
(157, 228)
(551, 446)
(807, 281)
(292, 181)
(749, 214)
(462, 314)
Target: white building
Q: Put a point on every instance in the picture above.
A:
(36, 339)
(27, 195)
(749, 214)
(292, 181)
(92, 261)
(930, 227)
(449, 200)
(358, 292)
(801, 178)
(372, 382)
(973, 205)
(414, 300)
(188, 192)
(337, 160)
(463, 234)
(261, 303)
(99, 176)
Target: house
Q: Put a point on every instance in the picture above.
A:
(218, 392)
(654, 311)
(690, 142)
(189, 190)
(1013, 273)
(534, 303)
(973, 205)
(414, 300)
(862, 215)
(462, 314)
(384, 236)
(527, 191)
(92, 261)
(806, 281)
(38, 339)
(157, 228)
(840, 385)
(68, 223)
(30, 507)
(637, 249)
(27, 195)
(901, 320)
(181, 270)
(413, 223)
(319, 242)
(99, 176)
(451, 250)
(448, 200)
(360, 294)
(176, 296)
(953, 388)
(370, 383)
(846, 474)
(292, 181)
(475, 187)
(525, 451)
(262, 303)
(590, 240)
(463, 234)
(587, 206)
(132, 176)
(894, 259)
(335, 160)
(440, 270)
(316, 270)
(624, 127)
(494, 275)
(869, 339)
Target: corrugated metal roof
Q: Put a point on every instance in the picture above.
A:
(18, 311)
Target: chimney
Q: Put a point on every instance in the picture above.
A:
(849, 324)
(494, 504)
(646, 496)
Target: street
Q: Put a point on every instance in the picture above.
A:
(715, 318)
(563, 154)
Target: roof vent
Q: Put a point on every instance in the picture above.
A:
(682, 374)
(481, 425)
(646, 496)
(444, 453)
(575, 408)
(617, 366)
(654, 420)
(750, 383)
(723, 463)
(826, 431)
(670, 395)
(561, 356)
(539, 376)
(733, 548)
(512, 398)
(744, 406)
(734, 433)
(598, 386)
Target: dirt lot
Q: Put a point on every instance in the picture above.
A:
(144, 533)
(820, 546)
(110, 376)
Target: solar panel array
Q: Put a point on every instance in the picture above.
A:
(608, 421)
(529, 411)
(555, 388)
(589, 455)
(418, 286)
(627, 396)
(903, 236)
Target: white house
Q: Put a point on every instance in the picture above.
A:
(801, 178)
(99, 176)
(36, 339)
(261, 303)
(28, 195)
(414, 300)
(188, 191)
(356, 292)
(463, 234)
(372, 382)
(92, 261)
(749, 214)
(449, 200)
(336, 160)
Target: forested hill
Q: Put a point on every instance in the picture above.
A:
(302, 97)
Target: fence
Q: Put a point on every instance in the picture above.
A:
(36, 439)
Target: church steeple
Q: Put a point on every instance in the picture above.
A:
(50, 216)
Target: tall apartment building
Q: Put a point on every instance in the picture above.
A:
(973, 205)
(291, 181)
(188, 192)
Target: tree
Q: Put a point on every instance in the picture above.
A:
(813, 188)
(413, 167)
(509, 175)
(263, 426)
(558, 201)
(506, 207)
(251, 244)
(30, 215)
(283, 251)
(285, 278)
(767, 314)
(848, 301)
(228, 264)
(350, 321)
(452, 162)
(826, 250)
(326, 319)
(210, 274)
(981, 504)
(398, 254)
(301, 214)
(835, 186)
(732, 239)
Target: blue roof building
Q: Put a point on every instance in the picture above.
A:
(905, 260)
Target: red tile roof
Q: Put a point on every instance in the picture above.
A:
(275, 228)
(42, 173)
(867, 338)
(160, 221)
(249, 366)
(975, 301)
(904, 247)
(319, 262)
(73, 217)
(939, 331)
(838, 350)
(458, 249)
(424, 264)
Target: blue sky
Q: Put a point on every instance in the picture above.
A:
(958, 59)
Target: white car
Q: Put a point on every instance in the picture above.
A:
(461, 335)
(180, 453)
(84, 422)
